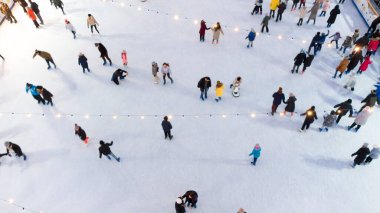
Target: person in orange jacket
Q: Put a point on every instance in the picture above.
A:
(124, 57)
(32, 16)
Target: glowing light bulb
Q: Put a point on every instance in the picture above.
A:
(139, 8)
(195, 21)
(329, 45)
(236, 29)
(253, 115)
(224, 116)
(170, 117)
(1, 114)
(114, 117)
(11, 201)
(339, 111)
(122, 4)
(279, 37)
(303, 41)
(176, 17)
(87, 116)
(58, 115)
(309, 113)
(142, 117)
(282, 114)
(29, 115)
(357, 49)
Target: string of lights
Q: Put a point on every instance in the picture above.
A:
(23, 208)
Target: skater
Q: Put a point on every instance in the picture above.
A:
(373, 25)
(372, 46)
(202, 31)
(256, 151)
(309, 119)
(103, 53)
(302, 4)
(335, 38)
(333, 14)
(355, 57)
(204, 84)
(219, 88)
(367, 61)
(280, 11)
(369, 101)
(325, 7)
(36, 10)
(46, 56)
(82, 61)
(81, 133)
(298, 60)
(32, 16)
(314, 43)
(124, 58)
(307, 62)
(217, 30)
(361, 119)
(313, 13)
(45, 94)
(329, 121)
(273, 6)
(70, 27)
(362, 41)
(92, 23)
(294, 5)
(155, 70)
(374, 154)
(322, 40)
(4, 8)
(191, 198)
(278, 97)
(167, 126)
(258, 7)
(361, 154)
(303, 12)
(290, 104)
(236, 83)
(343, 108)
(14, 148)
(355, 36)
(118, 74)
(104, 149)
(23, 4)
(179, 206)
(251, 37)
(347, 43)
(351, 82)
(58, 4)
(34, 92)
(265, 23)
(166, 71)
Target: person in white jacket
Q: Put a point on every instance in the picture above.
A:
(351, 82)
(361, 119)
(70, 27)
(374, 154)
(165, 69)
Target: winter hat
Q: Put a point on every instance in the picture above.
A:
(7, 144)
(257, 146)
(365, 144)
(89, 15)
(349, 101)
(101, 142)
(291, 95)
(312, 107)
(219, 84)
(28, 84)
(66, 21)
(179, 200)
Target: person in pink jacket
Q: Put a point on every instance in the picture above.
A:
(326, 6)
(361, 119)
(124, 57)
(372, 46)
(367, 61)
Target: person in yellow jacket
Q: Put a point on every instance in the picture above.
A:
(219, 91)
(273, 6)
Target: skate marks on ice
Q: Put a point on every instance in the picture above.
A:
(67, 79)
(328, 162)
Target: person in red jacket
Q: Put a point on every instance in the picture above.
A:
(372, 46)
(202, 31)
(124, 57)
(32, 16)
(367, 61)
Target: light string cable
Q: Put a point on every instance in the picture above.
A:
(23, 208)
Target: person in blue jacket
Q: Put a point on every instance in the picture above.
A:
(251, 37)
(378, 93)
(322, 40)
(33, 90)
(255, 153)
(278, 97)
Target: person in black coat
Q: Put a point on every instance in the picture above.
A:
(290, 104)
(361, 154)
(280, 11)
(343, 108)
(373, 25)
(307, 62)
(12, 147)
(333, 14)
(362, 41)
(355, 57)
(104, 149)
(370, 100)
(179, 206)
(204, 84)
(167, 126)
(298, 60)
(36, 10)
(82, 61)
(278, 97)
(103, 53)
(119, 73)
(81, 133)
(314, 42)
(45, 94)
(191, 198)
(309, 119)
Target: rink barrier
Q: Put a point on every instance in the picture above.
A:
(24, 209)
(11, 4)
(367, 9)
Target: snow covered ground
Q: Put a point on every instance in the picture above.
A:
(306, 172)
